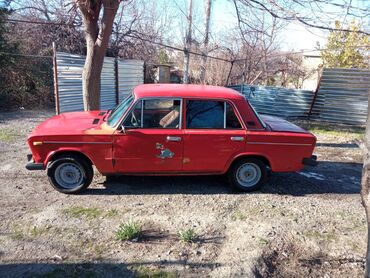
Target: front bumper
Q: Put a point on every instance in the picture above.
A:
(31, 165)
(312, 161)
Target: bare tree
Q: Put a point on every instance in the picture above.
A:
(205, 41)
(188, 43)
(365, 186)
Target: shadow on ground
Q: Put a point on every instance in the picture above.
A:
(81, 270)
(327, 177)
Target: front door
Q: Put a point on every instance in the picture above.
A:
(152, 139)
(212, 137)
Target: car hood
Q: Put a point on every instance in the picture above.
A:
(73, 123)
(281, 125)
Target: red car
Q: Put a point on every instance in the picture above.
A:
(169, 129)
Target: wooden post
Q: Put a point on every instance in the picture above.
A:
(314, 97)
(55, 71)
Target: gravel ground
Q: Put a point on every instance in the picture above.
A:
(300, 224)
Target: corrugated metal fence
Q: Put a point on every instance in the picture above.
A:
(69, 67)
(276, 101)
(342, 98)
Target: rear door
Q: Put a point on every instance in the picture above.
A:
(213, 135)
(152, 140)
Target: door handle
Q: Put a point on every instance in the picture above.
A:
(173, 139)
(237, 138)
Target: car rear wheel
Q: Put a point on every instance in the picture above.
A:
(70, 174)
(248, 174)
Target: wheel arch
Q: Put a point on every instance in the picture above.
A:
(56, 154)
(261, 157)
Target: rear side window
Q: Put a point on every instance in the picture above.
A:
(231, 119)
(209, 114)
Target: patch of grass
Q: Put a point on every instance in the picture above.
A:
(111, 213)
(145, 272)
(128, 231)
(238, 215)
(334, 130)
(325, 235)
(38, 231)
(187, 235)
(7, 134)
(79, 212)
(263, 241)
(17, 233)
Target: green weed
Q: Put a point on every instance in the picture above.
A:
(128, 231)
(187, 235)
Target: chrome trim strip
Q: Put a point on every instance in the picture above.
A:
(225, 114)
(142, 113)
(71, 142)
(285, 144)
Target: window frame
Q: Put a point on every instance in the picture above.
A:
(142, 112)
(225, 101)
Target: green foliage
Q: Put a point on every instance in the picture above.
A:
(187, 235)
(145, 272)
(128, 231)
(346, 49)
(25, 81)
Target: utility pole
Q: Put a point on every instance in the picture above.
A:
(205, 42)
(188, 44)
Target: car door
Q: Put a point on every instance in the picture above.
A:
(212, 137)
(151, 138)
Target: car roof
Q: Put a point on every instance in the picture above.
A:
(185, 91)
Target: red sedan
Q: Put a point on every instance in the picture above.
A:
(169, 129)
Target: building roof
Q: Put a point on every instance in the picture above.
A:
(185, 90)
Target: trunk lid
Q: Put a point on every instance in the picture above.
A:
(280, 125)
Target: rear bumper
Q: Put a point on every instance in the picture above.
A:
(312, 161)
(31, 165)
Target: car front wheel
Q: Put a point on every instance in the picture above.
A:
(248, 174)
(70, 174)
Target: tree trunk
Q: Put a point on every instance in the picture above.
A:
(365, 187)
(97, 40)
(188, 44)
(205, 42)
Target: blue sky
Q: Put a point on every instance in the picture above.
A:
(295, 36)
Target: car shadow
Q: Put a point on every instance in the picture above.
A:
(99, 269)
(327, 177)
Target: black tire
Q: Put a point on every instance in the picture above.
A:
(258, 169)
(83, 168)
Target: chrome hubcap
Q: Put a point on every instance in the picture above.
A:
(68, 175)
(248, 174)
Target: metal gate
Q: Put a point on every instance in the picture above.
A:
(116, 81)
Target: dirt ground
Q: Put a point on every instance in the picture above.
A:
(308, 224)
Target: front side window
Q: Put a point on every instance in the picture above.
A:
(155, 113)
(210, 114)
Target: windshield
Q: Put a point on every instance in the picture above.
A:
(257, 115)
(118, 111)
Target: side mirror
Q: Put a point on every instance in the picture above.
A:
(122, 129)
